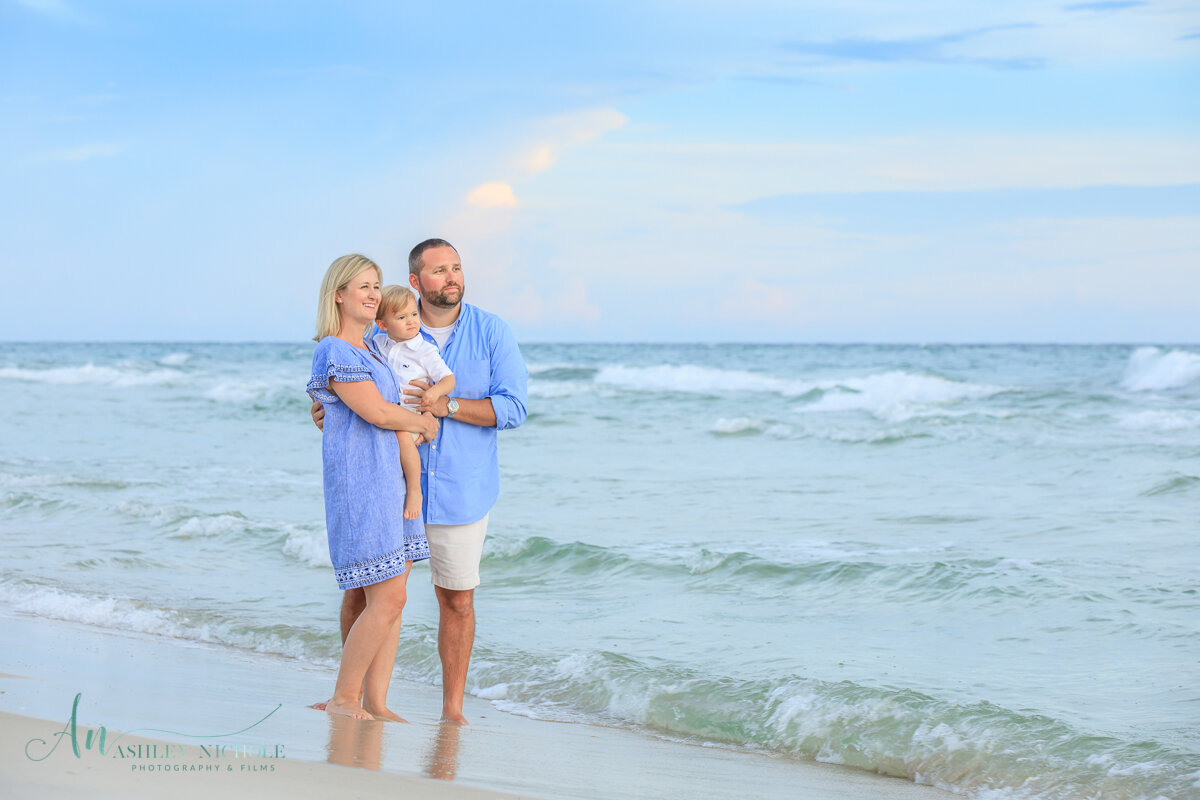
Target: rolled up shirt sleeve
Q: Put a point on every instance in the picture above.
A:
(510, 379)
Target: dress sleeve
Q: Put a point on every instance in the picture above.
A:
(337, 360)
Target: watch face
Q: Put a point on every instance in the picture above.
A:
(452, 407)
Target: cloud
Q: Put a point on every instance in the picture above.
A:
(85, 152)
(568, 130)
(901, 212)
(55, 8)
(726, 173)
(1105, 5)
(917, 49)
(572, 304)
(493, 195)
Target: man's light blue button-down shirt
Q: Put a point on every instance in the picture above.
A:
(460, 470)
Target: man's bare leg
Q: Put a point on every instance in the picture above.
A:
(354, 602)
(456, 636)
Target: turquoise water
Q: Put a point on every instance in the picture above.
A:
(975, 567)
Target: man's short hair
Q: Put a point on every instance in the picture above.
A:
(414, 256)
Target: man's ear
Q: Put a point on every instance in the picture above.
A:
(414, 283)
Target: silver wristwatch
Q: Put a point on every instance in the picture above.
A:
(451, 406)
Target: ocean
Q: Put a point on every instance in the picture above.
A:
(975, 567)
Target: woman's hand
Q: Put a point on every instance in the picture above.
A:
(431, 430)
(318, 415)
(364, 399)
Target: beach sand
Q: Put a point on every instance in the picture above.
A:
(184, 719)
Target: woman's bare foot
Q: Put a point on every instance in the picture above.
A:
(319, 706)
(385, 713)
(344, 709)
(412, 504)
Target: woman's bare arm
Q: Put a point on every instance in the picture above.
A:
(364, 399)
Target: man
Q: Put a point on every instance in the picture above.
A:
(460, 472)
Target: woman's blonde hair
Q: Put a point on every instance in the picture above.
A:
(337, 277)
(395, 298)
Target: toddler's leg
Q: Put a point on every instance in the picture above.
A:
(410, 462)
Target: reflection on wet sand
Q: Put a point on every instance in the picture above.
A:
(359, 743)
(355, 742)
(442, 761)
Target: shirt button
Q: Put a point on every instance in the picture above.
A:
(431, 474)
(434, 446)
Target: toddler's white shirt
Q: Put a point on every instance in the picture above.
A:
(413, 359)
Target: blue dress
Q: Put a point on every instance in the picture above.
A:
(369, 538)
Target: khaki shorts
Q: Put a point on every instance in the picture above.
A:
(454, 553)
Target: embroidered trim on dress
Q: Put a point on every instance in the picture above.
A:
(381, 569)
(318, 385)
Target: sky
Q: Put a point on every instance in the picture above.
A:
(658, 170)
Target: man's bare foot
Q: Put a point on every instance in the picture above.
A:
(351, 710)
(385, 713)
(455, 717)
(412, 505)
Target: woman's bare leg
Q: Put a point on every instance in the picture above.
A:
(379, 674)
(385, 602)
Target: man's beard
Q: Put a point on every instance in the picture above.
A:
(441, 298)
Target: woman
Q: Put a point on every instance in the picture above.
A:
(371, 544)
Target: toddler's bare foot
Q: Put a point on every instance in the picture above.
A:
(351, 710)
(412, 505)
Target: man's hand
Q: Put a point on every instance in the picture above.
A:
(437, 405)
(416, 389)
(318, 415)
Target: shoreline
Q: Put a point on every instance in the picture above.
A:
(201, 703)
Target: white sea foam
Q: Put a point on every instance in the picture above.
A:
(736, 425)
(897, 395)
(307, 545)
(124, 614)
(497, 692)
(210, 526)
(251, 392)
(140, 510)
(174, 359)
(1150, 369)
(105, 612)
(894, 395)
(1160, 421)
(692, 379)
(557, 389)
(91, 374)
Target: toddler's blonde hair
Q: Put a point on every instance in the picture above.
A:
(395, 298)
